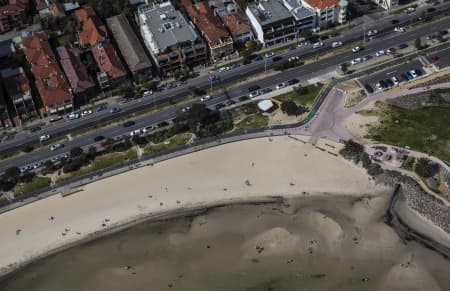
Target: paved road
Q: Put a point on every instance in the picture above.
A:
(383, 40)
(303, 73)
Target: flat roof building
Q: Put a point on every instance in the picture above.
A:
(129, 45)
(170, 38)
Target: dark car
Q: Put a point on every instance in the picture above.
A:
(34, 129)
(389, 82)
(219, 106)
(368, 88)
(214, 78)
(403, 46)
(129, 123)
(383, 84)
(292, 82)
(277, 58)
(114, 110)
(431, 9)
(162, 124)
(99, 138)
(265, 90)
(253, 88)
(230, 102)
(418, 72)
(100, 108)
(243, 98)
(54, 119)
(258, 58)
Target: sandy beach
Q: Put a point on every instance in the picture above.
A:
(244, 170)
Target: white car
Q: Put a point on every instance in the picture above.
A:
(147, 93)
(269, 55)
(399, 29)
(185, 109)
(44, 137)
(356, 49)
(73, 115)
(372, 32)
(356, 61)
(336, 44)
(395, 81)
(318, 45)
(281, 85)
(206, 98)
(86, 113)
(293, 59)
(302, 44)
(410, 10)
(380, 53)
(413, 73)
(135, 132)
(378, 86)
(56, 146)
(254, 94)
(148, 129)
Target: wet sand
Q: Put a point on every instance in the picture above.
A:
(311, 243)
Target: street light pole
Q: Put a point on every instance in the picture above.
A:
(265, 65)
(364, 26)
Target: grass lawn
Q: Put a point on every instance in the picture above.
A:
(102, 162)
(426, 129)
(252, 121)
(305, 100)
(35, 184)
(174, 141)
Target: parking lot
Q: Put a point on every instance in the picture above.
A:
(397, 71)
(440, 59)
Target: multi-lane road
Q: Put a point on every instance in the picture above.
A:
(303, 73)
(384, 26)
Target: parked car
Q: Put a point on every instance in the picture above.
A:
(35, 128)
(100, 108)
(147, 93)
(418, 72)
(219, 106)
(99, 138)
(135, 132)
(56, 146)
(253, 88)
(383, 84)
(434, 58)
(366, 58)
(431, 36)
(148, 129)
(368, 88)
(389, 82)
(292, 82)
(302, 44)
(56, 118)
(277, 58)
(399, 29)
(44, 137)
(230, 102)
(413, 73)
(86, 113)
(128, 123)
(206, 98)
(378, 86)
(243, 98)
(258, 58)
(402, 46)
(213, 78)
(185, 109)
(162, 124)
(356, 49)
(265, 90)
(73, 116)
(280, 85)
(372, 32)
(269, 54)
(254, 94)
(293, 59)
(407, 76)
(336, 44)
(356, 61)
(317, 45)
(115, 110)
(395, 81)
(410, 10)
(380, 53)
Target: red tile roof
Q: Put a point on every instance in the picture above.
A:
(50, 81)
(74, 69)
(108, 61)
(321, 4)
(82, 14)
(208, 23)
(93, 32)
(13, 9)
(237, 23)
(16, 85)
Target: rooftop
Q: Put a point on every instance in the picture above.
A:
(107, 60)
(129, 45)
(321, 4)
(93, 32)
(82, 14)
(74, 69)
(209, 24)
(269, 11)
(296, 8)
(237, 23)
(163, 27)
(16, 84)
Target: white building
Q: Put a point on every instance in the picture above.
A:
(328, 11)
(386, 4)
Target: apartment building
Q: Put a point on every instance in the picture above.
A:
(386, 4)
(220, 42)
(129, 45)
(234, 20)
(170, 37)
(328, 11)
(49, 80)
(93, 30)
(13, 15)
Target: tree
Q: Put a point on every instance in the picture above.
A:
(76, 152)
(290, 108)
(423, 167)
(418, 43)
(374, 169)
(352, 150)
(92, 152)
(300, 90)
(365, 160)
(252, 45)
(344, 68)
(409, 163)
(440, 38)
(49, 165)
(12, 175)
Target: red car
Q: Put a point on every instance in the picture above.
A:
(435, 58)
